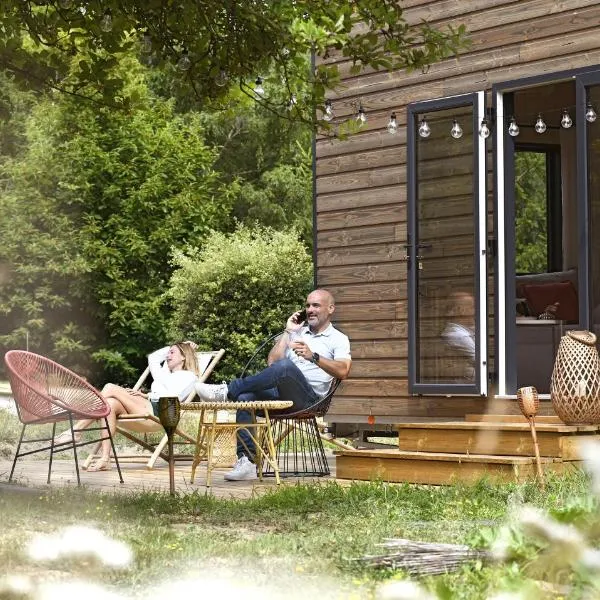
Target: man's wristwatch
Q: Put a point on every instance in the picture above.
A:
(315, 358)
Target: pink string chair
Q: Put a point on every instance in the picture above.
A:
(46, 392)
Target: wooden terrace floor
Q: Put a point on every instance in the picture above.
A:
(33, 473)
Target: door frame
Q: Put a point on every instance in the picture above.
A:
(479, 386)
(505, 371)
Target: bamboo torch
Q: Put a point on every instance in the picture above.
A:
(529, 403)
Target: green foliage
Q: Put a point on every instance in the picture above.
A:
(237, 290)
(93, 201)
(226, 44)
(530, 211)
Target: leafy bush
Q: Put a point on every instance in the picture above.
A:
(238, 290)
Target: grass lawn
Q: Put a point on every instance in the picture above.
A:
(297, 541)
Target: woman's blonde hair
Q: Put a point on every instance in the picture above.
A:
(189, 357)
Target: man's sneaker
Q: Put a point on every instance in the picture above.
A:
(243, 470)
(212, 393)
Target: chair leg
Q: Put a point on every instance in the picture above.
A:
(300, 451)
(74, 443)
(157, 452)
(114, 450)
(12, 471)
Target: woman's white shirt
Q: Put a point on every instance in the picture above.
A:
(167, 383)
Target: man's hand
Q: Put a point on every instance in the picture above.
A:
(292, 323)
(301, 350)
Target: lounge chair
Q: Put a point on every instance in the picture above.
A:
(136, 427)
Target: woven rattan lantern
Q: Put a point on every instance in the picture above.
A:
(575, 385)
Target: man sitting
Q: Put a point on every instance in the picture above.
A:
(302, 364)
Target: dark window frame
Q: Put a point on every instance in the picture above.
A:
(554, 250)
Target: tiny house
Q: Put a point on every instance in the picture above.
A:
(477, 212)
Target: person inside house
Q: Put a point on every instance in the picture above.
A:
(459, 333)
(174, 371)
(301, 367)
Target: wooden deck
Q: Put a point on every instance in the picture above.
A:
(33, 473)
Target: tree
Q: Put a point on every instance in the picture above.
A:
(237, 290)
(214, 44)
(93, 202)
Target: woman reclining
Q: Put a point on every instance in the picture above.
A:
(175, 378)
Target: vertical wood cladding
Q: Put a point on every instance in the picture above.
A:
(361, 181)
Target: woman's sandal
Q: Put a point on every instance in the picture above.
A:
(67, 436)
(102, 464)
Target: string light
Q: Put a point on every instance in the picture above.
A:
(484, 129)
(146, 44)
(184, 62)
(361, 116)
(540, 125)
(259, 90)
(590, 113)
(456, 132)
(106, 23)
(424, 129)
(566, 122)
(513, 128)
(328, 114)
(221, 79)
(392, 125)
(292, 102)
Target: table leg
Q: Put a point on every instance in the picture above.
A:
(271, 446)
(199, 438)
(211, 442)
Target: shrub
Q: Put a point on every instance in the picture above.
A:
(236, 291)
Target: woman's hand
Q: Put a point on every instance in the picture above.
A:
(193, 345)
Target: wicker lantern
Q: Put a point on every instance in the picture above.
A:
(575, 384)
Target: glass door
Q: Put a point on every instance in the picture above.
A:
(445, 251)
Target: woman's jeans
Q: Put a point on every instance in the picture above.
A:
(282, 379)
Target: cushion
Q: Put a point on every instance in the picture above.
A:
(541, 295)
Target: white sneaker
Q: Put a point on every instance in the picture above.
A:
(243, 470)
(210, 392)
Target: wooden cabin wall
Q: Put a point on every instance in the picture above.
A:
(361, 183)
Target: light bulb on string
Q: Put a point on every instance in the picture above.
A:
(222, 78)
(361, 116)
(392, 125)
(259, 90)
(292, 102)
(590, 113)
(566, 122)
(146, 44)
(184, 62)
(106, 23)
(456, 132)
(484, 129)
(328, 114)
(424, 129)
(540, 125)
(513, 128)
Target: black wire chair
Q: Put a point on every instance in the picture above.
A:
(298, 443)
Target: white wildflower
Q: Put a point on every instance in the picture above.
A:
(534, 522)
(500, 547)
(403, 590)
(75, 590)
(80, 541)
(589, 451)
(17, 587)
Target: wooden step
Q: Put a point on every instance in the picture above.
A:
(497, 439)
(491, 418)
(438, 468)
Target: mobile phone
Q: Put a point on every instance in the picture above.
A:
(301, 317)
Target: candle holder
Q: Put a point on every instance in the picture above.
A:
(529, 403)
(168, 414)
